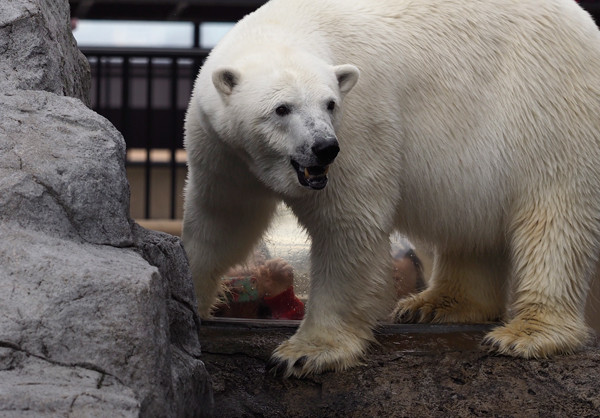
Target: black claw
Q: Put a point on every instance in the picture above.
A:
(271, 365)
(276, 367)
(300, 362)
(282, 369)
(405, 317)
(490, 344)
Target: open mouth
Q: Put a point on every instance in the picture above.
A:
(314, 177)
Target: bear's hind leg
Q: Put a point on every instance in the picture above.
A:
(554, 253)
(462, 289)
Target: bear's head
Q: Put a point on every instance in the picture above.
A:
(281, 116)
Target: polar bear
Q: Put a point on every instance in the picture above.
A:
(473, 126)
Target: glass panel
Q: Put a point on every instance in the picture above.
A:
(274, 282)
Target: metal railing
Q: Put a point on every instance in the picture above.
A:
(144, 92)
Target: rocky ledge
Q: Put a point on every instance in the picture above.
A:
(415, 371)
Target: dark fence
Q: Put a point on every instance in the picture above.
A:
(144, 92)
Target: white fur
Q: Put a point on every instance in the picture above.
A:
(474, 126)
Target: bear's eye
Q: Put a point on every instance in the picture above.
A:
(331, 106)
(283, 110)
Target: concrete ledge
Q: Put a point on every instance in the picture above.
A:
(415, 371)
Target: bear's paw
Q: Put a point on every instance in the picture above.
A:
(300, 357)
(433, 307)
(535, 338)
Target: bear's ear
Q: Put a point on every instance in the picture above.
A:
(347, 76)
(225, 79)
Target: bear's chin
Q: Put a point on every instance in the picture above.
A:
(314, 177)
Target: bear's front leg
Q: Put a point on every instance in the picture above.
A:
(220, 228)
(350, 289)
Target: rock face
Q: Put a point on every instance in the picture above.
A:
(38, 50)
(65, 163)
(97, 315)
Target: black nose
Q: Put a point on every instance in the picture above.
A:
(326, 149)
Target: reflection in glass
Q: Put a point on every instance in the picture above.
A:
(273, 283)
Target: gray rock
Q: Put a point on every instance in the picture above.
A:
(60, 154)
(34, 387)
(79, 304)
(97, 315)
(39, 51)
(70, 294)
(191, 387)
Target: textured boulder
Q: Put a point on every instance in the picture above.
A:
(38, 51)
(63, 169)
(97, 315)
(190, 390)
(40, 387)
(81, 288)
